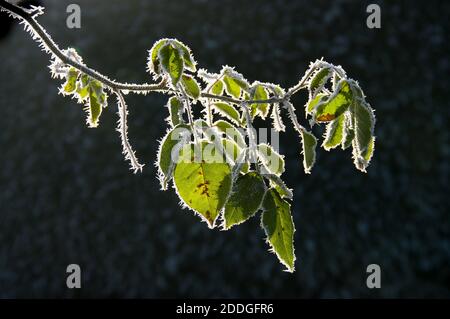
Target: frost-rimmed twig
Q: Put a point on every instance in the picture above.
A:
(49, 46)
(122, 128)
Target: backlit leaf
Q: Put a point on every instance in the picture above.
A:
(334, 133)
(203, 185)
(335, 105)
(318, 80)
(169, 150)
(175, 107)
(279, 228)
(191, 86)
(309, 143)
(261, 109)
(228, 111)
(171, 62)
(71, 80)
(245, 200)
(217, 88)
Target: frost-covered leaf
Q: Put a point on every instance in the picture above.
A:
(279, 228)
(203, 185)
(335, 105)
(71, 80)
(318, 80)
(169, 150)
(271, 160)
(245, 200)
(309, 143)
(334, 133)
(363, 143)
(83, 87)
(171, 62)
(153, 61)
(261, 109)
(191, 86)
(232, 87)
(312, 103)
(228, 111)
(217, 88)
(97, 101)
(95, 110)
(364, 125)
(234, 82)
(368, 152)
(277, 183)
(349, 133)
(175, 107)
(188, 59)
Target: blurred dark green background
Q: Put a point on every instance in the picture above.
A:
(67, 195)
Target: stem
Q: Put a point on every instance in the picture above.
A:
(189, 112)
(209, 116)
(236, 101)
(123, 130)
(251, 136)
(26, 16)
(297, 126)
(39, 31)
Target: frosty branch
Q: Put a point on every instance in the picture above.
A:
(235, 174)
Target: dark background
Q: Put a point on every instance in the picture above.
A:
(67, 195)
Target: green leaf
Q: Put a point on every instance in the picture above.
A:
(82, 92)
(175, 107)
(261, 109)
(246, 199)
(203, 185)
(97, 101)
(231, 132)
(71, 80)
(191, 86)
(277, 183)
(318, 80)
(364, 125)
(334, 133)
(312, 103)
(349, 133)
(153, 61)
(335, 105)
(309, 143)
(364, 141)
(168, 152)
(95, 109)
(228, 111)
(279, 228)
(171, 62)
(271, 160)
(368, 152)
(217, 88)
(83, 87)
(188, 59)
(232, 87)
